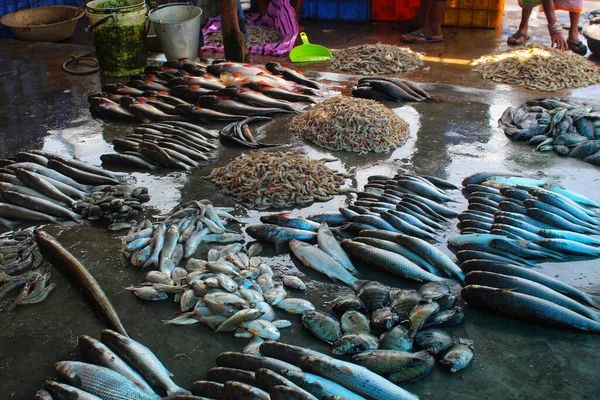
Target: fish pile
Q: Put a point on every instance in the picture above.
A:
(173, 144)
(262, 180)
(389, 89)
(511, 224)
(239, 133)
(184, 90)
(376, 59)
(352, 124)
(395, 332)
(284, 372)
(570, 128)
(538, 67)
(230, 291)
(394, 218)
(257, 35)
(40, 186)
(112, 204)
(116, 368)
(177, 235)
(20, 261)
(525, 221)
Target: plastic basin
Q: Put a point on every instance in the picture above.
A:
(43, 24)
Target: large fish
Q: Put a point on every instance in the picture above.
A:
(322, 262)
(255, 98)
(207, 115)
(62, 391)
(40, 205)
(319, 386)
(525, 286)
(524, 306)
(97, 352)
(251, 362)
(227, 105)
(142, 360)
(391, 262)
(356, 378)
(278, 234)
(291, 75)
(100, 381)
(431, 254)
(282, 94)
(329, 244)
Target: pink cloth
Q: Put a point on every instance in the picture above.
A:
(280, 15)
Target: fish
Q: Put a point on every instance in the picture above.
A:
(277, 234)
(62, 391)
(280, 94)
(328, 243)
(457, 358)
(66, 263)
(354, 321)
(207, 389)
(389, 261)
(523, 285)
(252, 363)
(570, 247)
(351, 343)
(434, 340)
(100, 381)
(223, 374)
(207, 114)
(109, 109)
(291, 75)
(257, 99)
(383, 319)
(143, 360)
(397, 338)
(527, 307)
(322, 325)
(233, 390)
(288, 222)
(295, 306)
(354, 377)
(345, 303)
(229, 106)
(97, 353)
(322, 262)
(431, 254)
(386, 362)
(293, 282)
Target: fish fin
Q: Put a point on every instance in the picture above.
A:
(506, 290)
(345, 369)
(237, 74)
(594, 301)
(163, 92)
(299, 72)
(176, 390)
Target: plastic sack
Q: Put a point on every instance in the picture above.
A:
(280, 15)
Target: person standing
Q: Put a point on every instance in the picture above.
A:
(574, 8)
(429, 18)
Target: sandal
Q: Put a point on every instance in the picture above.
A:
(517, 39)
(578, 48)
(426, 38)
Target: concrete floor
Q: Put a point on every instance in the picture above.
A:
(42, 107)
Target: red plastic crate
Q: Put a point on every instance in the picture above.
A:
(394, 10)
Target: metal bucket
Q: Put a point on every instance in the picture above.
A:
(178, 29)
(119, 31)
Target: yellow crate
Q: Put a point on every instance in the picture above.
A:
(474, 13)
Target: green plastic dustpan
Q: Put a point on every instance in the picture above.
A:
(307, 52)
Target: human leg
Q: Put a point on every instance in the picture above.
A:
(575, 45)
(419, 20)
(432, 31)
(520, 36)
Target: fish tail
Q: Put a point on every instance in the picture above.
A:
(176, 390)
(593, 301)
(150, 261)
(356, 284)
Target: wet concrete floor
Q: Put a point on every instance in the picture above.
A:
(43, 108)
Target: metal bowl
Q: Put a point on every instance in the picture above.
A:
(43, 24)
(593, 44)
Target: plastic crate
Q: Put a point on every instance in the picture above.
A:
(474, 13)
(394, 10)
(342, 10)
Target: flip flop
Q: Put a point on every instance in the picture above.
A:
(578, 48)
(513, 40)
(426, 38)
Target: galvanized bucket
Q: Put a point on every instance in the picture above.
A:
(178, 29)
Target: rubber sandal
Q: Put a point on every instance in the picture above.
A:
(578, 48)
(513, 40)
(426, 38)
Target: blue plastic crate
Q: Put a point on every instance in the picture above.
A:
(343, 10)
